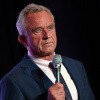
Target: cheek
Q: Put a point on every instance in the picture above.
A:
(36, 41)
(54, 37)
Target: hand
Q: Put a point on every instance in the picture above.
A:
(56, 92)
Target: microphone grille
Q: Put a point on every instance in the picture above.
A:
(57, 60)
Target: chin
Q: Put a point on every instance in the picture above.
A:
(47, 53)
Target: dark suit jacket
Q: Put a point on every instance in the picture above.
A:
(27, 82)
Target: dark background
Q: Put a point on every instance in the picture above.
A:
(78, 29)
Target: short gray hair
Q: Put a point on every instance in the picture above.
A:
(29, 8)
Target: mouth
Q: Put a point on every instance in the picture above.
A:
(48, 43)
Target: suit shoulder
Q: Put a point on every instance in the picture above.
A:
(71, 62)
(68, 59)
(13, 72)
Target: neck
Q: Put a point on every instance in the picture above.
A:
(48, 57)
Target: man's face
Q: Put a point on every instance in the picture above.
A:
(41, 39)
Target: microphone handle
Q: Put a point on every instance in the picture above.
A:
(57, 74)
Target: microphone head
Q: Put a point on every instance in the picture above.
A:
(57, 60)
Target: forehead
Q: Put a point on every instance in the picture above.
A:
(36, 18)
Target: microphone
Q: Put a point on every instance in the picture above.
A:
(57, 60)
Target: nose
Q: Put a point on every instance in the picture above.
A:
(46, 34)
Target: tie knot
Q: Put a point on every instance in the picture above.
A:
(51, 66)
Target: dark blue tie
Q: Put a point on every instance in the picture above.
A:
(68, 95)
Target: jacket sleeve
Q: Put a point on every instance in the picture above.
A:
(9, 91)
(89, 92)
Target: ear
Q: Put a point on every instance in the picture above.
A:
(22, 40)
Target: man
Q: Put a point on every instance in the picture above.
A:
(32, 78)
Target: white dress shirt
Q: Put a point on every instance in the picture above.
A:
(43, 65)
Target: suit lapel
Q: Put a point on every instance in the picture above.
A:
(31, 69)
(74, 69)
(29, 66)
(47, 82)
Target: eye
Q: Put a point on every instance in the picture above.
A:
(51, 27)
(37, 30)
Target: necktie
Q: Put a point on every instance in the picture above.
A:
(68, 95)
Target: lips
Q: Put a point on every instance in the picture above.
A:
(47, 43)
